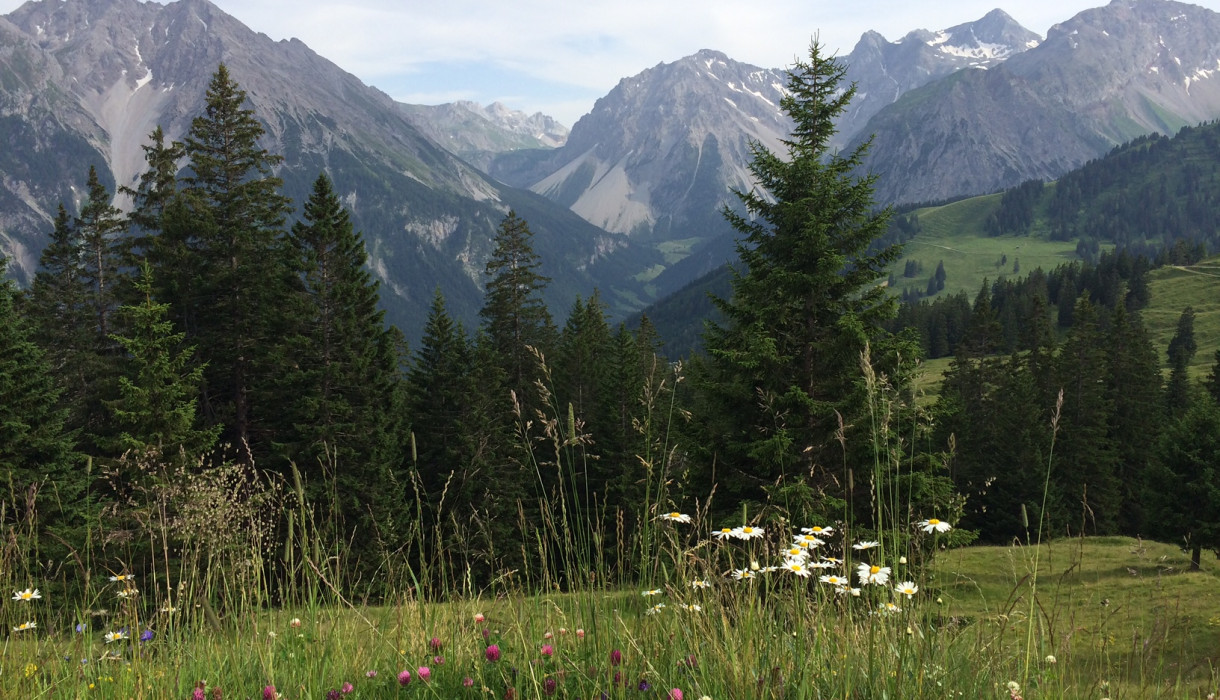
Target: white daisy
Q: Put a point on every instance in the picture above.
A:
(748, 532)
(818, 531)
(655, 609)
(743, 574)
(834, 580)
(810, 540)
(27, 595)
(796, 553)
(692, 608)
(876, 575)
(724, 533)
(675, 517)
(654, 591)
(824, 564)
(867, 544)
(700, 583)
(907, 588)
(889, 608)
(797, 566)
(934, 525)
(26, 626)
(116, 636)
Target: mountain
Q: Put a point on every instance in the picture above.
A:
(1153, 196)
(1105, 76)
(477, 134)
(98, 75)
(658, 157)
(884, 71)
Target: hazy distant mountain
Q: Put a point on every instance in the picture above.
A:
(97, 75)
(1101, 78)
(477, 134)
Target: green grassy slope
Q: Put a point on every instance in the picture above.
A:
(1110, 609)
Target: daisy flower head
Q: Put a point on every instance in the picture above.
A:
(876, 575)
(810, 540)
(748, 532)
(743, 574)
(934, 525)
(906, 588)
(26, 626)
(700, 583)
(116, 636)
(818, 531)
(651, 592)
(118, 578)
(889, 608)
(823, 564)
(674, 517)
(27, 595)
(866, 544)
(797, 566)
(693, 607)
(795, 552)
(655, 609)
(834, 580)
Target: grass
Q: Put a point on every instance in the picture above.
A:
(1116, 611)
(953, 233)
(709, 610)
(1173, 289)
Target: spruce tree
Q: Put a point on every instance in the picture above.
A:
(240, 271)
(157, 187)
(1182, 348)
(784, 364)
(340, 426)
(1133, 384)
(1086, 473)
(1184, 489)
(156, 411)
(515, 317)
(37, 460)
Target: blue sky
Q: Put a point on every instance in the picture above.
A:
(559, 57)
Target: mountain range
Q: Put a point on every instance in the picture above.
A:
(628, 201)
(85, 81)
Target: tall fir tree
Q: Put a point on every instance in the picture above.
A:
(784, 364)
(156, 188)
(1085, 460)
(514, 315)
(340, 428)
(240, 273)
(1133, 384)
(156, 410)
(1184, 487)
(44, 474)
(1182, 349)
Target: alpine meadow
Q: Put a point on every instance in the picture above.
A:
(892, 449)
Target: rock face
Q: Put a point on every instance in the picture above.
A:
(1101, 78)
(108, 71)
(885, 71)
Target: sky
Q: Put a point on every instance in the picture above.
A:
(557, 56)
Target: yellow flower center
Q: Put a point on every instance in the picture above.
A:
(874, 569)
(675, 515)
(933, 521)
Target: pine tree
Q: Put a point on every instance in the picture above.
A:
(1184, 490)
(785, 363)
(1133, 384)
(339, 428)
(1182, 349)
(100, 227)
(1213, 379)
(1088, 478)
(157, 187)
(241, 274)
(37, 459)
(158, 392)
(515, 317)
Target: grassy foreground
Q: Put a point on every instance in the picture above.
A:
(1104, 617)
